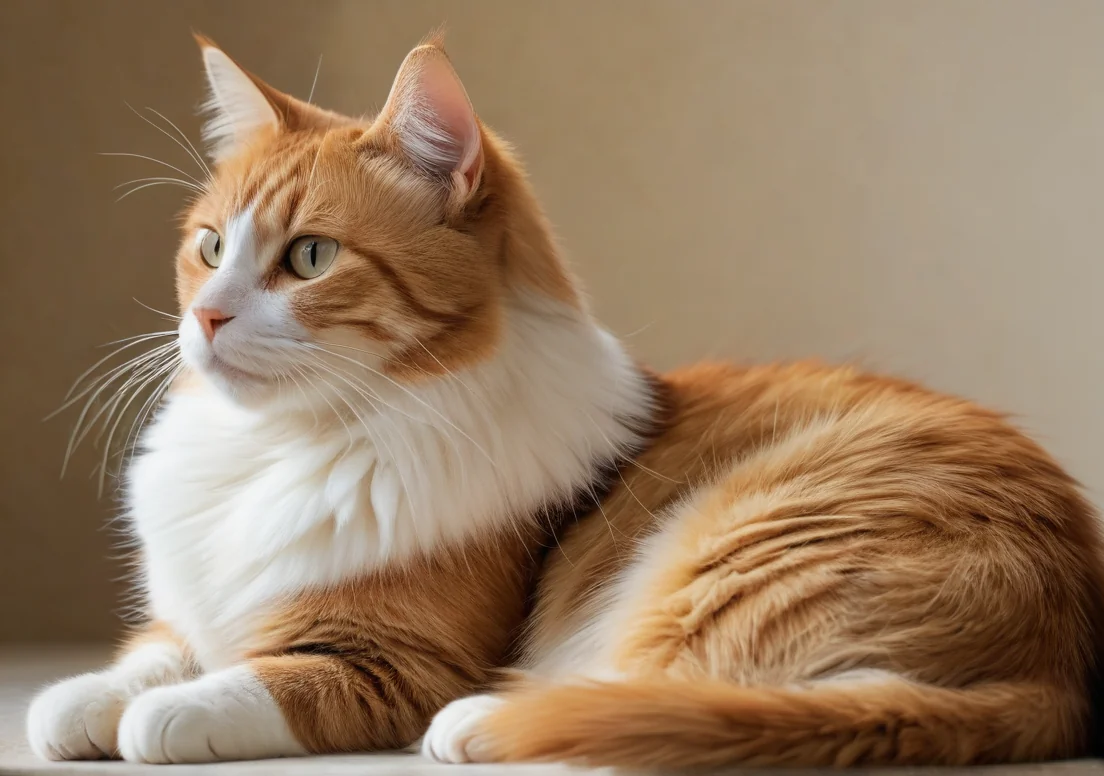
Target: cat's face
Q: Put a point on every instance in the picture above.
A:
(328, 246)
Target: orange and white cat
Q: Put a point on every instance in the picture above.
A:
(407, 488)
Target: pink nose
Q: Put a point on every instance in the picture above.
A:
(211, 320)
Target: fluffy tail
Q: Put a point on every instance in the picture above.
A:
(680, 724)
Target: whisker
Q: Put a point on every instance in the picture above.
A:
(481, 397)
(73, 437)
(144, 186)
(134, 341)
(166, 333)
(159, 312)
(339, 416)
(307, 401)
(162, 179)
(170, 136)
(113, 372)
(448, 437)
(314, 83)
(418, 399)
(134, 433)
(163, 369)
(137, 375)
(149, 368)
(382, 357)
(195, 153)
(378, 441)
(197, 181)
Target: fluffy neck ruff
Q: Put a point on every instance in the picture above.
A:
(449, 458)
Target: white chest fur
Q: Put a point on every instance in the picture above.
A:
(236, 508)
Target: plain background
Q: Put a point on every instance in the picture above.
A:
(917, 185)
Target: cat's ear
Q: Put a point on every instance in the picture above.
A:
(241, 105)
(429, 115)
(237, 108)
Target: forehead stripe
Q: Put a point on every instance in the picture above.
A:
(260, 186)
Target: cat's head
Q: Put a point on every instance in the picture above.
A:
(320, 239)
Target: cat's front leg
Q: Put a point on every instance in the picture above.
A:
(224, 715)
(312, 702)
(78, 718)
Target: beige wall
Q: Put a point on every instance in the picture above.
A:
(917, 184)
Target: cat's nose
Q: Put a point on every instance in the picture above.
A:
(211, 320)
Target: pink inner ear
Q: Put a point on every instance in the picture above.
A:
(434, 119)
(449, 103)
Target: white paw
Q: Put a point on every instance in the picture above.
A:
(228, 715)
(454, 735)
(76, 719)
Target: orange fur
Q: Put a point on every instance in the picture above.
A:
(662, 723)
(365, 666)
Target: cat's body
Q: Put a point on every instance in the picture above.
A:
(362, 502)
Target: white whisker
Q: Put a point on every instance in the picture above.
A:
(146, 410)
(381, 440)
(417, 399)
(159, 312)
(196, 180)
(199, 161)
(166, 333)
(166, 367)
(98, 386)
(162, 179)
(337, 414)
(112, 374)
(314, 83)
(144, 186)
(195, 153)
(131, 342)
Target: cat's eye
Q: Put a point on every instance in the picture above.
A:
(309, 257)
(210, 247)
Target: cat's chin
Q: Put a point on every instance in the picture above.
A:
(241, 387)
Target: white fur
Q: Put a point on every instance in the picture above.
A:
(453, 736)
(236, 107)
(227, 715)
(78, 718)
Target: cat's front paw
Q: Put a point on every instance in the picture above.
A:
(228, 715)
(454, 736)
(76, 719)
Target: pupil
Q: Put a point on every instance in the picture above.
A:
(314, 254)
(218, 245)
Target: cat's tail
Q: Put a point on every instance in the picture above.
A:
(682, 724)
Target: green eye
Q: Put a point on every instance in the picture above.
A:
(210, 247)
(309, 257)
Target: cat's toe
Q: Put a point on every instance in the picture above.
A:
(76, 719)
(227, 715)
(163, 725)
(455, 734)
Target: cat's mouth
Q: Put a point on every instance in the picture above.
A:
(220, 367)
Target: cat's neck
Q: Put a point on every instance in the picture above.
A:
(447, 458)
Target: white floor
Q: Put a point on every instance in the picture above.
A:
(24, 670)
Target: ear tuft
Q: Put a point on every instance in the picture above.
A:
(431, 117)
(236, 105)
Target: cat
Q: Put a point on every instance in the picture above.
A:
(405, 489)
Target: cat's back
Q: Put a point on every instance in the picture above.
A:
(798, 519)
